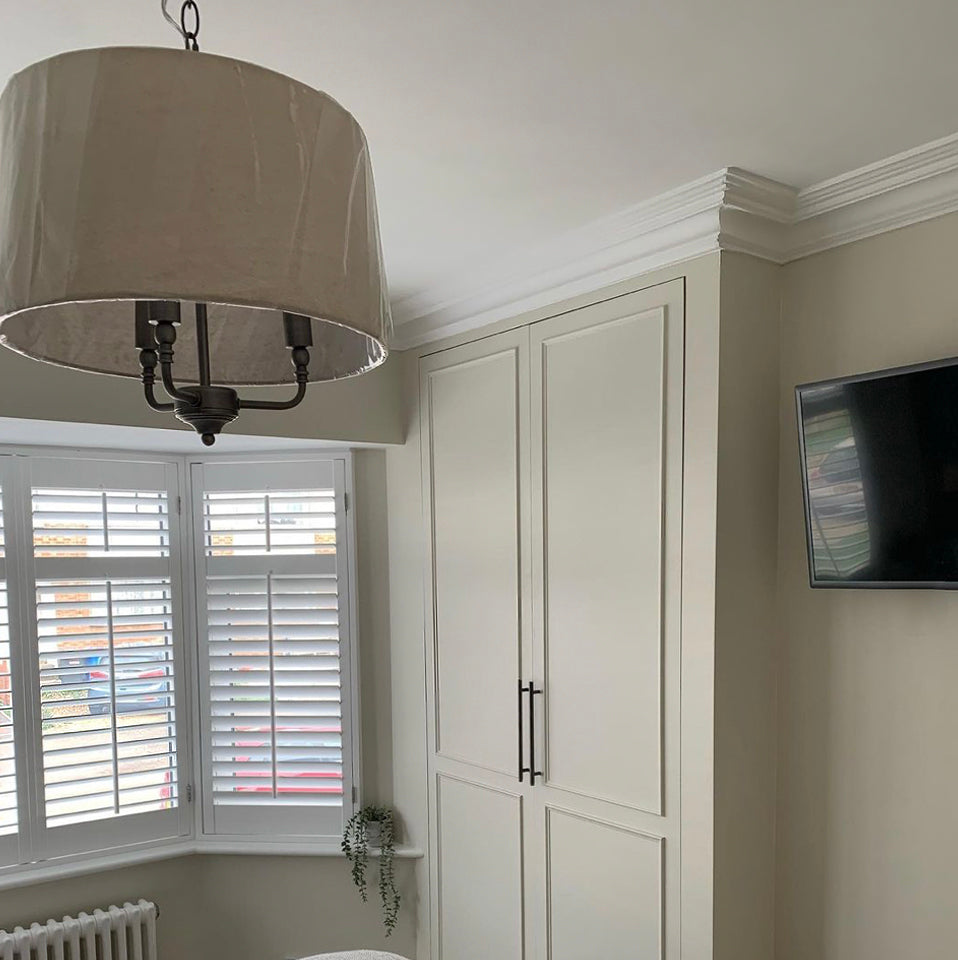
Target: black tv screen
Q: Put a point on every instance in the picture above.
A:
(880, 477)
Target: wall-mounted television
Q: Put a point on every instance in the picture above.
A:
(879, 459)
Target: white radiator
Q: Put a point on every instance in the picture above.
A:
(118, 933)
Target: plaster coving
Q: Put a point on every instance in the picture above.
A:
(731, 209)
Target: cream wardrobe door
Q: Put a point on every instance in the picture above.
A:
(475, 422)
(607, 397)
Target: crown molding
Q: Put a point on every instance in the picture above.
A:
(731, 209)
(907, 188)
(674, 226)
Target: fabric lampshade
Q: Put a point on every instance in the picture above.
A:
(134, 173)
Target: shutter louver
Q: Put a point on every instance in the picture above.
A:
(107, 698)
(273, 657)
(90, 653)
(105, 651)
(281, 522)
(8, 774)
(100, 523)
(275, 690)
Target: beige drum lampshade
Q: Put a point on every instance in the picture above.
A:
(133, 173)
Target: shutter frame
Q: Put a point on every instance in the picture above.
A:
(140, 821)
(276, 808)
(10, 783)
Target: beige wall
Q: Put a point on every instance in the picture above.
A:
(244, 908)
(362, 409)
(375, 654)
(269, 908)
(173, 884)
(745, 615)
(867, 864)
(406, 612)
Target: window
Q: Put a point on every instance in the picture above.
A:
(106, 659)
(98, 648)
(107, 689)
(8, 772)
(100, 603)
(274, 610)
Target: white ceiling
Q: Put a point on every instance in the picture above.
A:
(495, 126)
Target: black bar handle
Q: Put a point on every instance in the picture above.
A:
(522, 770)
(533, 772)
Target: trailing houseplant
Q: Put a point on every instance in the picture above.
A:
(360, 830)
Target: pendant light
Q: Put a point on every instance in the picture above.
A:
(187, 218)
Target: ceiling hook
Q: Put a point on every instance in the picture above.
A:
(188, 11)
(174, 23)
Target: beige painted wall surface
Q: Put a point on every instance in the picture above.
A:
(407, 651)
(867, 858)
(243, 908)
(362, 409)
(172, 884)
(745, 612)
(271, 908)
(375, 671)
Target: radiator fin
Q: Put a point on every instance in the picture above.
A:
(117, 933)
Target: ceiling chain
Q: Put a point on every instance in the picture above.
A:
(188, 26)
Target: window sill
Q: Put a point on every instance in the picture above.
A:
(282, 848)
(49, 870)
(75, 866)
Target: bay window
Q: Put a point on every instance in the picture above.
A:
(111, 593)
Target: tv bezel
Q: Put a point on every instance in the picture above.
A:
(813, 581)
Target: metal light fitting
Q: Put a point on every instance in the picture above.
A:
(205, 407)
(140, 184)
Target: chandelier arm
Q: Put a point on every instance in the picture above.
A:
(153, 403)
(148, 358)
(148, 362)
(165, 333)
(166, 374)
(300, 358)
(276, 404)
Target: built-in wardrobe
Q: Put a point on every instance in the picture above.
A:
(552, 465)
(598, 779)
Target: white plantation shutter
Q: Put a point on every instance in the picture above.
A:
(107, 647)
(274, 590)
(95, 704)
(107, 698)
(277, 522)
(8, 775)
(9, 818)
(100, 523)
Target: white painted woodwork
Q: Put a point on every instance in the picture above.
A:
(480, 872)
(475, 439)
(552, 478)
(607, 428)
(599, 420)
(475, 453)
(604, 890)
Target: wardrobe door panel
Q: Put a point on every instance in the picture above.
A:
(599, 387)
(480, 872)
(473, 484)
(604, 891)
